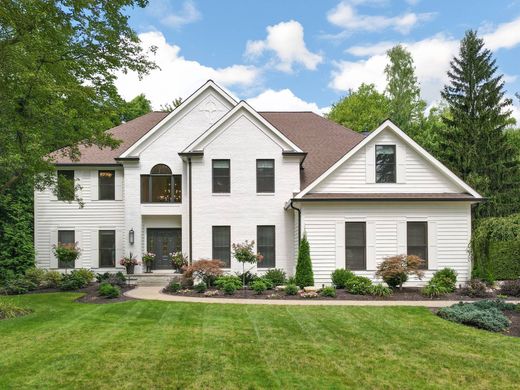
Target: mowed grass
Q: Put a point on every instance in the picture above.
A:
(150, 345)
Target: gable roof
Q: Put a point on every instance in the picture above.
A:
(388, 124)
(199, 143)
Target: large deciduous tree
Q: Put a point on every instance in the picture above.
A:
(361, 110)
(136, 107)
(475, 144)
(58, 60)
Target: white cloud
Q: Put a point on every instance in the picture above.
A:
(345, 16)
(186, 15)
(370, 50)
(286, 41)
(283, 100)
(506, 36)
(177, 76)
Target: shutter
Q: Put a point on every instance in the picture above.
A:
(401, 238)
(370, 157)
(119, 185)
(340, 244)
(401, 163)
(371, 245)
(432, 245)
(94, 252)
(120, 245)
(53, 240)
(83, 254)
(94, 181)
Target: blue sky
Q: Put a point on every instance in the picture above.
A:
(293, 55)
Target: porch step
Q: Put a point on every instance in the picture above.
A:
(155, 279)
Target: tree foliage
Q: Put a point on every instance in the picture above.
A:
(169, 107)
(304, 275)
(134, 108)
(58, 60)
(475, 145)
(361, 110)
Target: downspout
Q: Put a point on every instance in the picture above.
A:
(190, 228)
(299, 221)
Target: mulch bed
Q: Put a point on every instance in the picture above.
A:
(91, 294)
(406, 294)
(514, 328)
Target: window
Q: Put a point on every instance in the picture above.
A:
(265, 238)
(65, 185)
(264, 176)
(107, 248)
(417, 240)
(66, 237)
(355, 245)
(221, 177)
(222, 244)
(160, 186)
(107, 185)
(385, 164)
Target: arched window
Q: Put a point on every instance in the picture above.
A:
(160, 186)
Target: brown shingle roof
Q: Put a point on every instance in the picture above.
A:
(389, 196)
(129, 133)
(324, 141)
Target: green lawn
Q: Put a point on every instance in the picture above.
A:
(146, 344)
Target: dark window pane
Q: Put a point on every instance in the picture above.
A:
(222, 244)
(355, 245)
(221, 176)
(265, 238)
(177, 188)
(107, 248)
(106, 185)
(385, 164)
(145, 188)
(161, 169)
(264, 176)
(65, 185)
(417, 241)
(66, 237)
(161, 188)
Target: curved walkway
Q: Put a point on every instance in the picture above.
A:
(154, 293)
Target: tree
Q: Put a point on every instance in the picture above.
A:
(58, 61)
(169, 107)
(304, 275)
(361, 110)
(136, 107)
(406, 106)
(475, 144)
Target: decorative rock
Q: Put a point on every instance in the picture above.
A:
(310, 289)
(279, 288)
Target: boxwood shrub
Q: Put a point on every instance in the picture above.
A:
(340, 277)
(359, 285)
(109, 291)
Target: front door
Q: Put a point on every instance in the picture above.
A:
(162, 242)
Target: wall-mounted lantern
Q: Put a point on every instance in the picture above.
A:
(131, 236)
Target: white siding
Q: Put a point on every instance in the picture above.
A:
(414, 173)
(449, 227)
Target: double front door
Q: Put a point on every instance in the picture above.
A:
(162, 242)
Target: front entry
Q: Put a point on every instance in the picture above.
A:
(162, 242)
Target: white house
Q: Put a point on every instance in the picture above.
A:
(215, 172)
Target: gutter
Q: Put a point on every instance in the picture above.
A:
(190, 222)
(475, 200)
(299, 211)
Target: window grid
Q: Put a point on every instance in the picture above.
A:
(266, 245)
(265, 176)
(221, 243)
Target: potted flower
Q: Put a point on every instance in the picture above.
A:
(178, 260)
(129, 262)
(66, 253)
(148, 259)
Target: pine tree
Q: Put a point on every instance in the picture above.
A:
(475, 144)
(304, 275)
(406, 105)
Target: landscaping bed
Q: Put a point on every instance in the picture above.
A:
(91, 295)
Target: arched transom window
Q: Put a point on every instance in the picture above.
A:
(160, 186)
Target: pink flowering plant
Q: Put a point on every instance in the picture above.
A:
(178, 260)
(128, 260)
(66, 253)
(148, 257)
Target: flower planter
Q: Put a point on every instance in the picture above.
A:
(148, 268)
(130, 269)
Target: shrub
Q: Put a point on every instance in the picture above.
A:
(109, 291)
(395, 270)
(359, 285)
(75, 280)
(304, 275)
(206, 270)
(259, 286)
(380, 290)
(247, 277)
(291, 280)
(475, 288)
(433, 290)
(100, 278)
(224, 279)
(84, 274)
(499, 304)
(10, 310)
(268, 283)
(229, 288)
(36, 276)
(328, 292)
(52, 279)
(489, 318)
(445, 278)
(276, 276)
(511, 288)
(173, 287)
(16, 286)
(341, 276)
(200, 287)
(291, 289)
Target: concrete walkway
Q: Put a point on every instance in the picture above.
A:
(154, 293)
